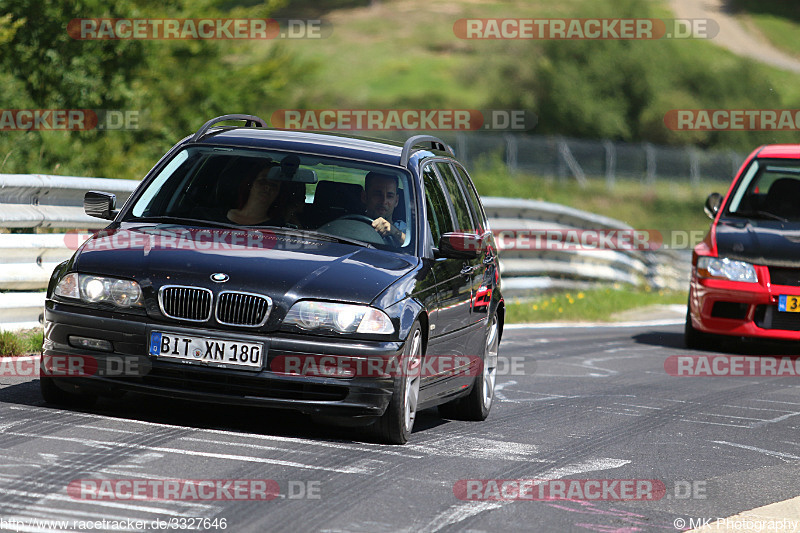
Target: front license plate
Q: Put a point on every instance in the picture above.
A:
(789, 304)
(207, 351)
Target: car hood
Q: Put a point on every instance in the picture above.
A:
(763, 242)
(282, 266)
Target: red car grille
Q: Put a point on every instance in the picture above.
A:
(784, 276)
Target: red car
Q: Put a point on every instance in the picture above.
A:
(746, 272)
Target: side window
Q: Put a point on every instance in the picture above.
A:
(439, 220)
(474, 201)
(460, 208)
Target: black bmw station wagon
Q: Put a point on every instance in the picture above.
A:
(333, 275)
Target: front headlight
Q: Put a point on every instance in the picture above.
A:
(724, 268)
(100, 289)
(342, 318)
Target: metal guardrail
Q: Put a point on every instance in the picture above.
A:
(40, 201)
(26, 260)
(31, 201)
(528, 270)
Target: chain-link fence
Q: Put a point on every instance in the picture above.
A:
(565, 158)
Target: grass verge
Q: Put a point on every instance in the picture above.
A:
(21, 342)
(591, 305)
(776, 20)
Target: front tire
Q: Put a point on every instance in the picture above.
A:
(478, 403)
(55, 395)
(394, 427)
(694, 338)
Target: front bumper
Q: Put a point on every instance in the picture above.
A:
(741, 309)
(348, 397)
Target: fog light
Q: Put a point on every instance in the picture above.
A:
(91, 344)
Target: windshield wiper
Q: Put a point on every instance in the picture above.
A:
(306, 234)
(761, 214)
(311, 234)
(189, 221)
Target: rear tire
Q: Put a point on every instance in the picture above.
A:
(55, 395)
(395, 426)
(478, 403)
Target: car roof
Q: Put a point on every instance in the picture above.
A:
(334, 144)
(780, 151)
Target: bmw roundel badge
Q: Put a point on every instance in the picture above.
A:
(219, 277)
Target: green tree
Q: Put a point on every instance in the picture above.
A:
(57, 70)
(621, 90)
(174, 85)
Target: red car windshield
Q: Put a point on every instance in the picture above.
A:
(769, 189)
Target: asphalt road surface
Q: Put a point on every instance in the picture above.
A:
(592, 403)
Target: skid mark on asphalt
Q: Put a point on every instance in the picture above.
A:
(591, 365)
(614, 411)
(501, 388)
(460, 512)
(477, 448)
(724, 415)
(194, 453)
(294, 441)
(52, 504)
(28, 496)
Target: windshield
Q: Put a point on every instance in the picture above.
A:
(769, 189)
(356, 201)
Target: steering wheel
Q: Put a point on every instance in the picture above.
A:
(355, 216)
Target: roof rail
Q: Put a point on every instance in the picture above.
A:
(250, 120)
(436, 144)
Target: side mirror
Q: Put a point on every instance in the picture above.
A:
(457, 245)
(100, 204)
(713, 202)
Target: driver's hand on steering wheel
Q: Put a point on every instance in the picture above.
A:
(386, 229)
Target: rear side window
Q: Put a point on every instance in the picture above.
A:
(457, 200)
(474, 201)
(439, 221)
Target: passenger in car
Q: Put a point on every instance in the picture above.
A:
(380, 197)
(257, 199)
